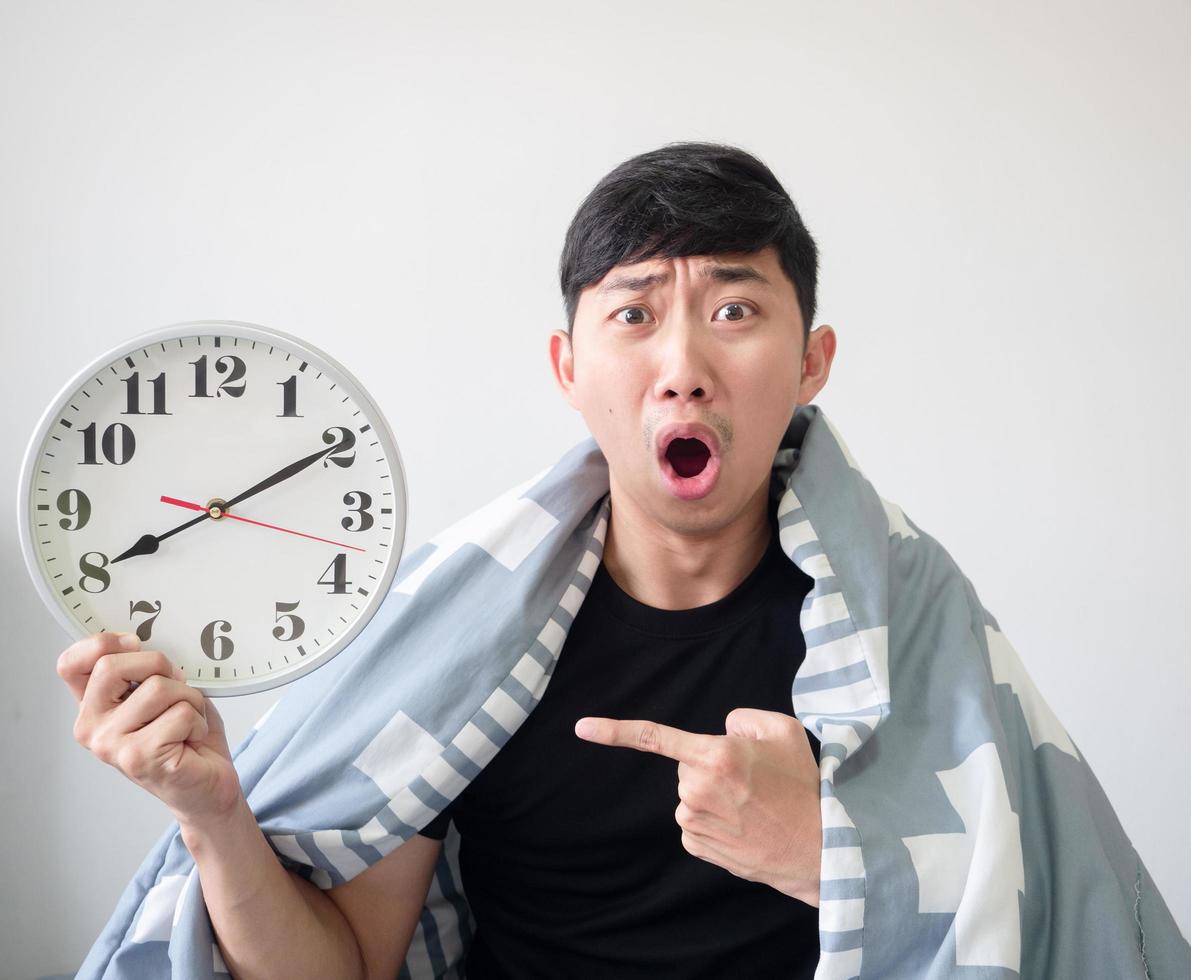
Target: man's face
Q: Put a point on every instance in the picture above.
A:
(714, 340)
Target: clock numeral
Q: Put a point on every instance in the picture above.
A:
(339, 583)
(133, 382)
(285, 610)
(117, 443)
(94, 571)
(216, 646)
(145, 628)
(361, 508)
(289, 398)
(346, 440)
(230, 365)
(73, 503)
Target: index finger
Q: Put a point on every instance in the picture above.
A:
(116, 676)
(78, 660)
(647, 736)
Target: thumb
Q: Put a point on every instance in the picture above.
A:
(758, 724)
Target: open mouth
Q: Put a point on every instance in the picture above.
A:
(688, 456)
(689, 465)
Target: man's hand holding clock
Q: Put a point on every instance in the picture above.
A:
(165, 736)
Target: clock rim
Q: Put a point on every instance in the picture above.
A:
(253, 331)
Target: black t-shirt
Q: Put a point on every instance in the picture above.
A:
(570, 855)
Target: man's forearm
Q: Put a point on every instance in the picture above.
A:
(268, 921)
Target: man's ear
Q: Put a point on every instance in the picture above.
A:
(816, 363)
(562, 361)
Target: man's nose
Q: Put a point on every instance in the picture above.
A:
(683, 372)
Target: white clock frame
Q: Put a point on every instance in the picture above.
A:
(250, 331)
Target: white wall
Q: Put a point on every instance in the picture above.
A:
(998, 191)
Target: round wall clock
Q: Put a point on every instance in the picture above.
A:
(228, 492)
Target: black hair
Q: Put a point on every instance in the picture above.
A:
(689, 198)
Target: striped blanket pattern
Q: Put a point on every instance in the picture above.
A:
(964, 834)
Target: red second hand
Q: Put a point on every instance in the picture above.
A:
(193, 506)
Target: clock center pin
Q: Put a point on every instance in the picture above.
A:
(216, 508)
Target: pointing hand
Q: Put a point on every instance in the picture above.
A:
(749, 798)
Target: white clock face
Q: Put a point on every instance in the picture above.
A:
(288, 472)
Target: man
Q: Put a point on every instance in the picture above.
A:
(689, 280)
(690, 284)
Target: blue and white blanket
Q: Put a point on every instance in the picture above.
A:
(964, 834)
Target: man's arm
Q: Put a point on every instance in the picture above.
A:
(383, 904)
(270, 922)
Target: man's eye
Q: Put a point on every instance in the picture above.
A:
(636, 315)
(735, 311)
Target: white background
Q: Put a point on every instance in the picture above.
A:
(998, 193)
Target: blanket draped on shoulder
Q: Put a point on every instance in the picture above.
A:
(964, 833)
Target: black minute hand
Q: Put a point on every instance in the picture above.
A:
(147, 544)
(282, 474)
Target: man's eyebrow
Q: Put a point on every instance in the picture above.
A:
(734, 273)
(635, 284)
(720, 273)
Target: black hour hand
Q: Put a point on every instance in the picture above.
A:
(145, 546)
(147, 543)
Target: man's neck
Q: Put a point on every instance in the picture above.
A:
(669, 569)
